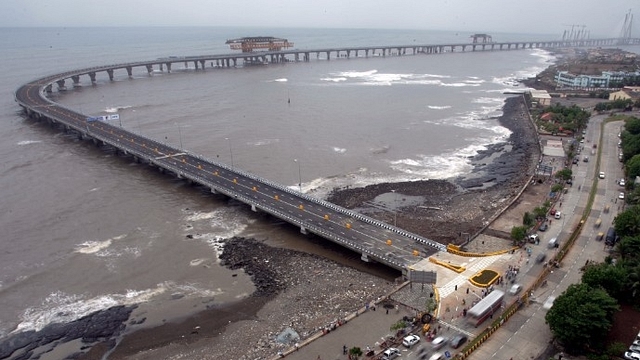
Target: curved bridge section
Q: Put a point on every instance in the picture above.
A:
(374, 239)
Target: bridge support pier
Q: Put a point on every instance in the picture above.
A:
(92, 76)
(214, 191)
(110, 73)
(253, 208)
(129, 71)
(303, 230)
(168, 67)
(61, 86)
(76, 80)
(365, 258)
(149, 69)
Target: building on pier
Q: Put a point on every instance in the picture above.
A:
(263, 43)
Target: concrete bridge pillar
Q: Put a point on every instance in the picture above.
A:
(202, 64)
(92, 76)
(110, 73)
(303, 230)
(129, 71)
(49, 89)
(235, 62)
(61, 86)
(161, 66)
(297, 57)
(76, 80)
(149, 69)
(168, 67)
(328, 55)
(253, 208)
(195, 65)
(214, 191)
(364, 257)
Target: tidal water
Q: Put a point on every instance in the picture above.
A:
(84, 230)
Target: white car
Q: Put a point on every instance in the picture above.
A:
(621, 182)
(437, 356)
(439, 342)
(390, 353)
(621, 196)
(549, 302)
(515, 288)
(630, 355)
(558, 215)
(410, 340)
(601, 176)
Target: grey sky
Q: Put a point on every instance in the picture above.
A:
(602, 18)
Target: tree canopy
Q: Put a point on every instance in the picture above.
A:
(627, 223)
(581, 316)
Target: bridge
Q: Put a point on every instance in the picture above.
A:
(373, 239)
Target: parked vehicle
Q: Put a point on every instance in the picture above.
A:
(549, 302)
(553, 243)
(543, 227)
(439, 342)
(390, 353)
(515, 288)
(611, 237)
(540, 258)
(558, 215)
(410, 340)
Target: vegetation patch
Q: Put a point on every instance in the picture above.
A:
(484, 278)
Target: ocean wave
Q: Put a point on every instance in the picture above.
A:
(28, 142)
(435, 107)
(336, 79)
(94, 246)
(339, 150)
(214, 227)
(263, 142)
(281, 80)
(115, 109)
(375, 78)
(60, 307)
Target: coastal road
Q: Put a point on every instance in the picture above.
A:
(373, 239)
(526, 335)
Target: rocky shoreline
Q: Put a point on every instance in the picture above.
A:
(300, 293)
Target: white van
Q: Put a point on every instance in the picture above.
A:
(557, 215)
(553, 243)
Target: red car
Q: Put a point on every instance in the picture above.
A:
(553, 211)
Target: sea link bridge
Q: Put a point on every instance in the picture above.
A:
(373, 239)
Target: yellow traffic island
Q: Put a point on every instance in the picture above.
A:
(484, 278)
(457, 268)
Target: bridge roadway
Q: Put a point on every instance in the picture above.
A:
(374, 239)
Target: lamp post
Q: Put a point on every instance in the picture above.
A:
(180, 134)
(395, 208)
(230, 152)
(299, 175)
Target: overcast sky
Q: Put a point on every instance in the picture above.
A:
(601, 18)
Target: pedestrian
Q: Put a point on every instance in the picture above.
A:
(560, 356)
(387, 311)
(344, 349)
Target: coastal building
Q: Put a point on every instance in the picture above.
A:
(626, 93)
(540, 97)
(607, 79)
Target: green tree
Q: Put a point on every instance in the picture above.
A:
(557, 188)
(629, 248)
(518, 234)
(528, 220)
(612, 278)
(355, 352)
(632, 167)
(627, 223)
(539, 212)
(564, 174)
(632, 125)
(580, 316)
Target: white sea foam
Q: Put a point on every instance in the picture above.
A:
(335, 79)
(339, 150)
(374, 78)
(94, 246)
(60, 307)
(115, 109)
(263, 142)
(281, 80)
(435, 107)
(215, 226)
(28, 142)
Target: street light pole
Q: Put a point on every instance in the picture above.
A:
(230, 152)
(180, 134)
(395, 208)
(299, 175)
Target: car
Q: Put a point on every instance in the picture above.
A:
(575, 160)
(534, 238)
(458, 340)
(552, 211)
(621, 182)
(540, 258)
(437, 356)
(390, 353)
(557, 215)
(515, 288)
(543, 227)
(439, 342)
(634, 348)
(621, 196)
(630, 355)
(601, 175)
(549, 302)
(569, 181)
(586, 159)
(636, 342)
(410, 340)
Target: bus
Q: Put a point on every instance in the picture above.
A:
(486, 307)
